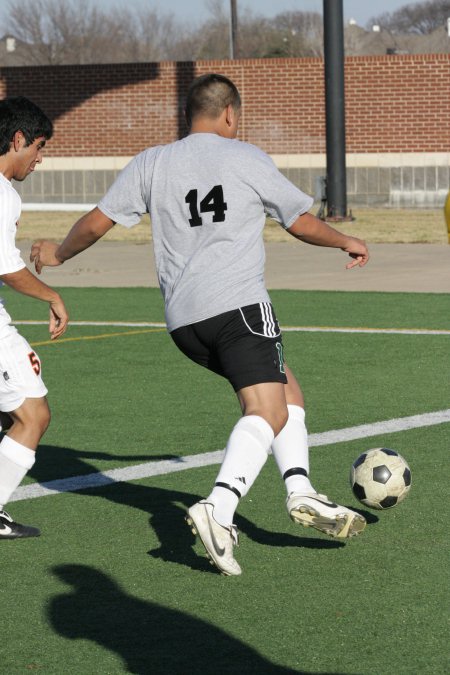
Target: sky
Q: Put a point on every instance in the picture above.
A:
(196, 11)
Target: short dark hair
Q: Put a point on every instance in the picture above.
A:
(209, 94)
(20, 114)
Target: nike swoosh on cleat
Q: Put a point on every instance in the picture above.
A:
(330, 504)
(5, 530)
(220, 551)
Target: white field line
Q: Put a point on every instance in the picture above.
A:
(139, 471)
(285, 329)
(36, 206)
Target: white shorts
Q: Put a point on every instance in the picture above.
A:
(20, 371)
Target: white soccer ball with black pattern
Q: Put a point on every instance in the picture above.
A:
(380, 478)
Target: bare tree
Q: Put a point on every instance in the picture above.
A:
(212, 37)
(29, 24)
(148, 35)
(419, 18)
(301, 33)
(76, 32)
(59, 32)
(288, 34)
(62, 32)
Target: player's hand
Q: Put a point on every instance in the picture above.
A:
(44, 253)
(357, 249)
(59, 318)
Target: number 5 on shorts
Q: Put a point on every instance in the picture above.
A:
(35, 363)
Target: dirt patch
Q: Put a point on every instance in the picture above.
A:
(388, 226)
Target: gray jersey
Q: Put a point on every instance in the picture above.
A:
(207, 197)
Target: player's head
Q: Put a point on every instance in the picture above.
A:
(209, 96)
(18, 114)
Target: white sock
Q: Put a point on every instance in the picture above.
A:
(15, 462)
(290, 449)
(245, 455)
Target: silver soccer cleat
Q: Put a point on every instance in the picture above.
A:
(217, 540)
(315, 510)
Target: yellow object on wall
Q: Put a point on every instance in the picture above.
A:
(447, 214)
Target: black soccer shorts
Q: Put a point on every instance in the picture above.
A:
(243, 345)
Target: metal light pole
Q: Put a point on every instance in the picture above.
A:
(333, 25)
(233, 29)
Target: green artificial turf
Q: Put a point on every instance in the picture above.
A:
(117, 583)
(299, 308)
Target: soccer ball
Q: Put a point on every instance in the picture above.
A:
(380, 478)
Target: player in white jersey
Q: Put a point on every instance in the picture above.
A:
(208, 196)
(24, 130)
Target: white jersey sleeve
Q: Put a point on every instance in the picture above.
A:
(10, 207)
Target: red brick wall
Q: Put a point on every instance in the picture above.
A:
(398, 103)
(393, 103)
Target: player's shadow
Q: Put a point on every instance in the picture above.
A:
(55, 462)
(283, 539)
(370, 517)
(150, 638)
(166, 508)
(167, 511)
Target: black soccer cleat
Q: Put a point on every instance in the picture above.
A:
(11, 530)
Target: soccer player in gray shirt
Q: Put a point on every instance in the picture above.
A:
(208, 196)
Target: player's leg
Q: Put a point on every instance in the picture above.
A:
(17, 456)
(264, 413)
(217, 540)
(22, 397)
(290, 449)
(30, 422)
(252, 362)
(290, 446)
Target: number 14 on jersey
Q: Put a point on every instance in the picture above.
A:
(214, 202)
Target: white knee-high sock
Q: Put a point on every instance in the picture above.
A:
(15, 462)
(290, 449)
(245, 455)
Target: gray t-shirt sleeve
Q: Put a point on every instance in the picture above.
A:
(128, 197)
(282, 200)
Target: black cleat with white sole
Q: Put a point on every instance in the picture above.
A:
(11, 530)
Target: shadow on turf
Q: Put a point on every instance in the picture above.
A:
(167, 508)
(55, 462)
(167, 520)
(148, 637)
(166, 516)
(370, 517)
(283, 539)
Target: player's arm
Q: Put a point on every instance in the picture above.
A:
(314, 231)
(86, 231)
(23, 281)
